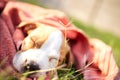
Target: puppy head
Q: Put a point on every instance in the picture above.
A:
(43, 58)
(36, 34)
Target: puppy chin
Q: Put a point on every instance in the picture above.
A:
(44, 76)
(36, 75)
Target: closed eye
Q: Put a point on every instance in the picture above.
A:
(51, 58)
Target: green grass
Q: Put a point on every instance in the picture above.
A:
(35, 2)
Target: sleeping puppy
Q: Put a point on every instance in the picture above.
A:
(43, 48)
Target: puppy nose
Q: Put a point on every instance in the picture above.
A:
(31, 67)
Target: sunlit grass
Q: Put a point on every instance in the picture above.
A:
(35, 2)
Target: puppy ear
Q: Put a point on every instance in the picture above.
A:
(27, 26)
(53, 42)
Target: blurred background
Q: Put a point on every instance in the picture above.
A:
(98, 18)
(103, 14)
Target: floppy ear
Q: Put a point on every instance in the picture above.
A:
(53, 42)
(27, 26)
(22, 30)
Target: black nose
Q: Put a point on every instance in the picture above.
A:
(31, 67)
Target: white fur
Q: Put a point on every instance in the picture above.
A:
(49, 49)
